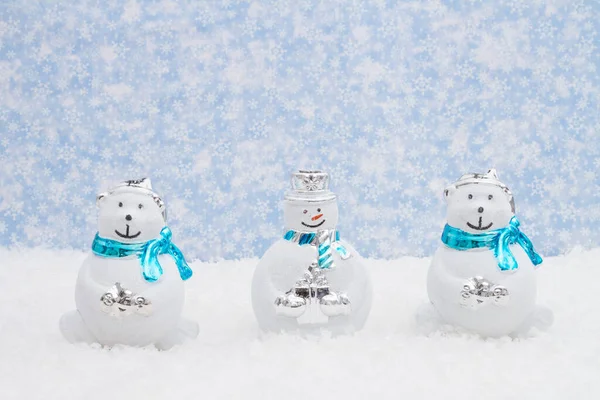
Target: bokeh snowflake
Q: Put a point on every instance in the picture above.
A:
(218, 101)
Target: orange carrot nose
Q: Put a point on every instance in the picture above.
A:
(316, 217)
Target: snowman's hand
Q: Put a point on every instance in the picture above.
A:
(468, 297)
(141, 305)
(108, 299)
(335, 304)
(472, 294)
(114, 301)
(141, 302)
(290, 305)
(499, 295)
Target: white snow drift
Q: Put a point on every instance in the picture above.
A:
(392, 358)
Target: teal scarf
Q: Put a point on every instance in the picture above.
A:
(498, 241)
(147, 253)
(324, 240)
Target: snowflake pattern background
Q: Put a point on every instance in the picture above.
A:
(219, 101)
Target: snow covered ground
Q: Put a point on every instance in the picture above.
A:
(390, 359)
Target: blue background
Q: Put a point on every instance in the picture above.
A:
(219, 101)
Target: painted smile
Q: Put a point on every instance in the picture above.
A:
(126, 235)
(314, 226)
(479, 227)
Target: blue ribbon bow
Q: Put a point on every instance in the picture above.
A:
(147, 253)
(498, 241)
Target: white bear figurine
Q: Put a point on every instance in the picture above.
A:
(482, 277)
(310, 279)
(130, 289)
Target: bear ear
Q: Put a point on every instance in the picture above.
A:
(511, 200)
(492, 172)
(161, 205)
(449, 191)
(159, 202)
(100, 197)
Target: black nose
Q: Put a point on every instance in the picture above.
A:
(128, 217)
(480, 209)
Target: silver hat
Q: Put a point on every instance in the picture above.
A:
(310, 186)
(489, 178)
(143, 186)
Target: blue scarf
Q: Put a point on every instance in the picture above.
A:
(497, 240)
(323, 242)
(147, 252)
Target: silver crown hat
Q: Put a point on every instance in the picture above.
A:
(311, 186)
(140, 186)
(489, 178)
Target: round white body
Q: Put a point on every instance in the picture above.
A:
(129, 215)
(449, 271)
(98, 274)
(285, 262)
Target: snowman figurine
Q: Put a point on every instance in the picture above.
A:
(482, 277)
(130, 289)
(310, 279)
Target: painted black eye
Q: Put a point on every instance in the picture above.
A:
(318, 210)
(120, 204)
(470, 196)
(490, 197)
(304, 212)
(140, 206)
